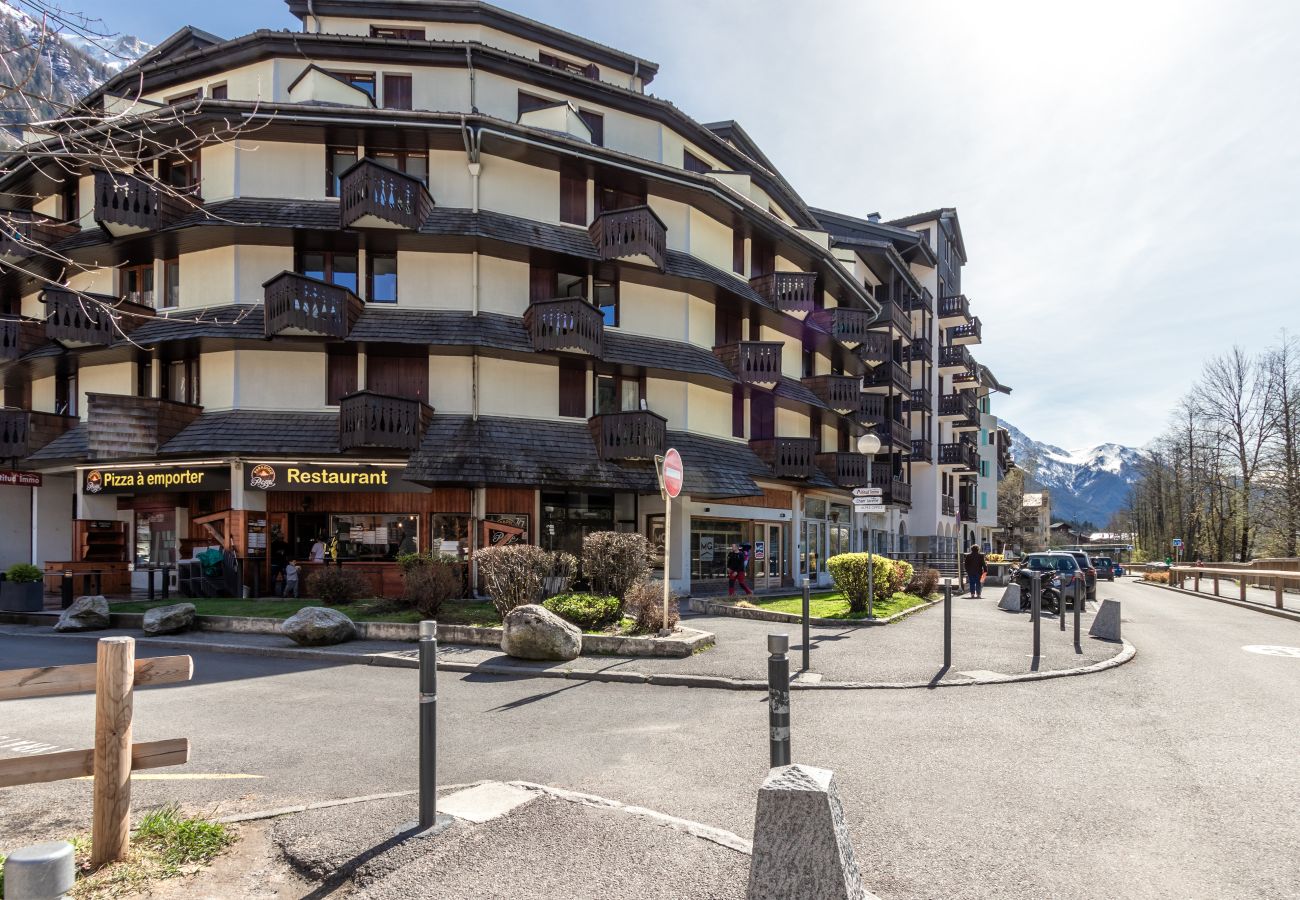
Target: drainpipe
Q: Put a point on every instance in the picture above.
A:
(474, 386)
(473, 86)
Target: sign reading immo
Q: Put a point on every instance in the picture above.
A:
(163, 478)
(311, 477)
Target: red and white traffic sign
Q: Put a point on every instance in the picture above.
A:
(672, 473)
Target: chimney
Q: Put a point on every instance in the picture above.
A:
(873, 217)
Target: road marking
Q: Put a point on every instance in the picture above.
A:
(183, 776)
(1270, 650)
(11, 744)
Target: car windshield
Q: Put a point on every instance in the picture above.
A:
(1101, 561)
(1051, 563)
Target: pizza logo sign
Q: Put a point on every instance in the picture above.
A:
(94, 482)
(261, 477)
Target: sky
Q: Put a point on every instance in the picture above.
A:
(1127, 174)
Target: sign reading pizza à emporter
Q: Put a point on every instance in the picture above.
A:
(164, 479)
(278, 476)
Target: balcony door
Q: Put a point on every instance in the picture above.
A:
(399, 372)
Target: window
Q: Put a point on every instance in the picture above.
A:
(399, 34)
(529, 102)
(397, 91)
(984, 500)
(615, 393)
(589, 70)
(180, 381)
(171, 283)
(411, 162)
(595, 123)
(219, 92)
(984, 468)
(144, 377)
(186, 97)
(362, 81)
(326, 265)
(573, 194)
(449, 534)
(180, 172)
(692, 163)
(137, 283)
(376, 537)
(69, 199)
(605, 295)
(737, 411)
(573, 389)
(337, 161)
(341, 373)
(66, 395)
(381, 278)
(155, 537)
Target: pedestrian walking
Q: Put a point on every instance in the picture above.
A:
(279, 560)
(736, 561)
(975, 569)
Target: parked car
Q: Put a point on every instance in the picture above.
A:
(1118, 570)
(1089, 571)
(1063, 568)
(1105, 568)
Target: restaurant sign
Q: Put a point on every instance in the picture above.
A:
(20, 479)
(315, 477)
(166, 479)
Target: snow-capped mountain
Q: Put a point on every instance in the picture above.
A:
(1086, 485)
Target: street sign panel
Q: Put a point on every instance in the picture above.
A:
(672, 473)
(868, 501)
(1178, 542)
(868, 492)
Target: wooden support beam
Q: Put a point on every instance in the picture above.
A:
(81, 763)
(110, 827)
(49, 681)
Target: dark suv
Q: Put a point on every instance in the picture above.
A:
(1089, 572)
(1105, 568)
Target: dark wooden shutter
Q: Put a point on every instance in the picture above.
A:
(595, 124)
(341, 376)
(738, 252)
(530, 102)
(399, 372)
(764, 258)
(573, 389)
(573, 194)
(692, 163)
(541, 282)
(737, 411)
(397, 91)
(726, 327)
(762, 416)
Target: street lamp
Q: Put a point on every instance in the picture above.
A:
(869, 446)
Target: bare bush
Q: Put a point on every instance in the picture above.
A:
(517, 574)
(614, 561)
(645, 604)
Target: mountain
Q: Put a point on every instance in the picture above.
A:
(52, 68)
(1086, 485)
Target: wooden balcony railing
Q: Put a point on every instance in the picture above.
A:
(961, 454)
(24, 233)
(852, 328)
(894, 314)
(790, 292)
(635, 434)
(891, 431)
(888, 376)
(372, 195)
(948, 506)
(84, 319)
(922, 452)
(955, 358)
(127, 204)
(920, 350)
(753, 362)
(921, 400)
(848, 470)
(298, 305)
(788, 457)
(871, 408)
(968, 333)
(895, 491)
(624, 233)
(18, 337)
(23, 432)
(954, 306)
(566, 324)
(841, 393)
(370, 421)
(876, 348)
(922, 302)
(119, 426)
(961, 407)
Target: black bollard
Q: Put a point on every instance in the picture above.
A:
(150, 574)
(1078, 607)
(1060, 610)
(65, 587)
(166, 572)
(947, 623)
(430, 822)
(807, 641)
(778, 699)
(1037, 595)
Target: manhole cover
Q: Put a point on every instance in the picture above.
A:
(1267, 650)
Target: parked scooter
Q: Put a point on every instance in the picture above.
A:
(1050, 585)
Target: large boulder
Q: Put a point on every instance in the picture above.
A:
(169, 619)
(318, 626)
(534, 632)
(85, 614)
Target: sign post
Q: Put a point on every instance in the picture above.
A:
(670, 486)
(869, 500)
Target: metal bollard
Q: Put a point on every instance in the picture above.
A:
(778, 699)
(1037, 596)
(166, 570)
(807, 641)
(40, 872)
(947, 622)
(430, 822)
(1060, 610)
(150, 572)
(65, 588)
(1078, 608)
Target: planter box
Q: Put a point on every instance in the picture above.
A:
(22, 597)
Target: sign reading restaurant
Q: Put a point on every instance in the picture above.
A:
(320, 477)
(164, 478)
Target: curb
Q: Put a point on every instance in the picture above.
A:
(1290, 615)
(715, 682)
(756, 614)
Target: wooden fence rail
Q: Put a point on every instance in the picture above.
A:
(1178, 575)
(113, 676)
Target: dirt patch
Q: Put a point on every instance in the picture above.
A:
(252, 868)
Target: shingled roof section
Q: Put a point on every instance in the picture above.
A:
(72, 445)
(257, 432)
(441, 328)
(571, 240)
(236, 321)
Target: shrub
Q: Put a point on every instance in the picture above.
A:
(850, 574)
(335, 585)
(923, 584)
(645, 603)
(23, 573)
(1157, 577)
(564, 568)
(994, 557)
(429, 580)
(588, 611)
(613, 561)
(517, 574)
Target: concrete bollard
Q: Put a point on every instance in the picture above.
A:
(1010, 598)
(1106, 624)
(40, 872)
(801, 841)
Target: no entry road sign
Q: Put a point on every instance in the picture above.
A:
(672, 472)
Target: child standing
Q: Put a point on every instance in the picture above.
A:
(291, 579)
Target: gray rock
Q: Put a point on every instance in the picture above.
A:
(1106, 624)
(801, 841)
(533, 632)
(169, 619)
(318, 626)
(1010, 598)
(85, 614)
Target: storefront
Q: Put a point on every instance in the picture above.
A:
(765, 523)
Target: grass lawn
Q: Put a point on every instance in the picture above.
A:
(453, 612)
(833, 605)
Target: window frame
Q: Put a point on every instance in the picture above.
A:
(351, 76)
(370, 277)
(399, 34)
(223, 87)
(139, 270)
(693, 163)
(329, 269)
(595, 299)
(170, 299)
(333, 178)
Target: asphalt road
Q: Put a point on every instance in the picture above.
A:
(1171, 776)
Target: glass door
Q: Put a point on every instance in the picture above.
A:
(768, 556)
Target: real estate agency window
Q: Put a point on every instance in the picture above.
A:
(618, 393)
(397, 91)
(337, 161)
(171, 283)
(411, 162)
(338, 268)
(137, 283)
(381, 277)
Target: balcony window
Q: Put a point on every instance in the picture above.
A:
(362, 81)
(219, 92)
(180, 381)
(397, 91)
(413, 163)
(66, 395)
(180, 173)
(381, 278)
(605, 294)
(614, 393)
(171, 283)
(398, 34)
(137, 284)
(336, 268)
(337, 161)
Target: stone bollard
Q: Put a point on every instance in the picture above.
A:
(40, 872)
(801, 842)
(1106, 624)
(1010, 598)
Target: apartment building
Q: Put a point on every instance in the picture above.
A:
(454, 279)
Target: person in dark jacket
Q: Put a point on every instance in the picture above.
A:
(736, 562)
(975, 569)
(279, 562)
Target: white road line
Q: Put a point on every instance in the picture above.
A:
(11, 744)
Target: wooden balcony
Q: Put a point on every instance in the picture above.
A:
(968, 333)
(895, 492)
(370, 421)
(891, 431)
(961, 455)
(948, 506)
(374, 196)
(848, 470)
(88, 320)
(956, 358)
(127, 204)
(23, 234)
(636, 434)
(852, 328)
(753, 362)
(23, 432)
(922, 302)
(121, 427)
(962, 409)
(893, 314)
(920, 351)
(871, 408)
(968, 511)
(298, 305)
(789, 292)
(18, 337)
(921, 400)
(887, 377)
(876, 348)
(954, 310)
(841, 393)
(631, 233)
(788, 457)
(922, 452)
(566, 324)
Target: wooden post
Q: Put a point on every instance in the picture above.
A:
(1216, 585)
(111, 824)
(1277, 592)
(1242, 583)
(1196, 582)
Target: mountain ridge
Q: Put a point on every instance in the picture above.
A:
(1088, 485)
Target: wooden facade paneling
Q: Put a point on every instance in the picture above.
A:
(119, 426)
(439, 500)
(771, 499)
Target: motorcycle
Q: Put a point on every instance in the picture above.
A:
(1050, 587)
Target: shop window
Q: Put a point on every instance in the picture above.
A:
(449, 535)
(180, 381)
(171, 283)
(381, 278)
(573, 194)
(155, 537)
(376, 537)
(573, 389)
(411, 162)
(341, 373)
(398, 371)
(397, 91)
(66, 395)
(567, 518)
(362, 81)
(737, 411)
(399, 34)
(337, 161)
(711, 540)
(692, 163)
(327, 265)
(219, 92)
(605, 295)
(614, 393)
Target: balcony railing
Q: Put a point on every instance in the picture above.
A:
(871, 408)
(127, 204)
(893, 490)
(893, 432)
(298, 305)
(852, 328)
(566, 324)
(18, 337)
(948, 506)
(787, 457)
(968, 511)
(23, 233)
(968, 333)
(372, 195)
(841, 393)
(635, 434)
(893, 313)
(876, 348)
(920, 350)
(888, 376)
(922, 452)
(955, 358)
(954, 306)
(921, 400)
(753, 362)
(789, 292)
(921, 302)
(624, 233)
(961, 454)
(962, 407)
(84, 319)
(369, 421)
(23, 432)
(848, 470)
